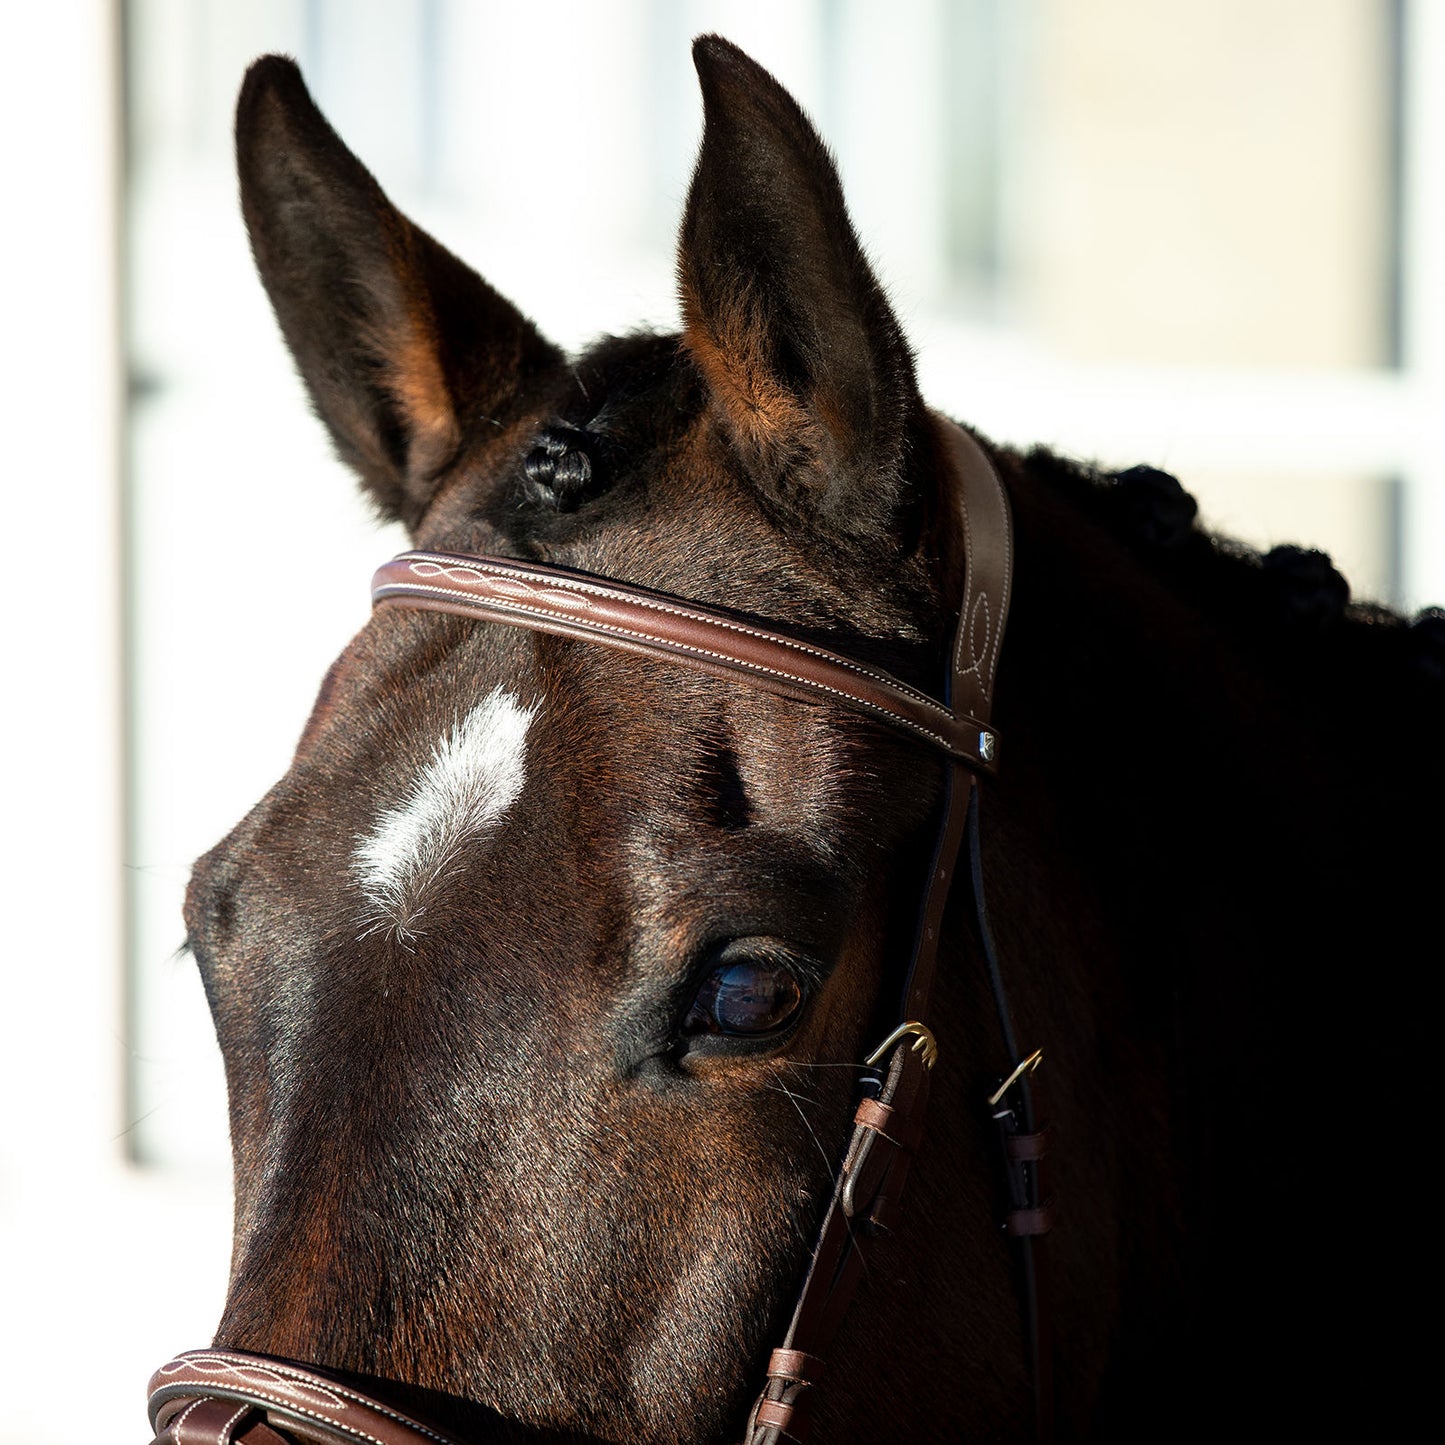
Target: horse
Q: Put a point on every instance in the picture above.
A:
(545, 976)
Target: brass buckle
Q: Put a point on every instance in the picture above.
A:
(923, 1043)
(1026, 1067)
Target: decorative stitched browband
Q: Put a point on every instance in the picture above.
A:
(574, 604)
(217, 1397)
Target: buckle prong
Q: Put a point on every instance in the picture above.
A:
(923, 1043)
(1026, 1067)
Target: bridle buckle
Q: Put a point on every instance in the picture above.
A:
(1026, 1066)
(924, 1043)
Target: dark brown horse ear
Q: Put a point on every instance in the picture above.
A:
(403, 348)
(808, 369)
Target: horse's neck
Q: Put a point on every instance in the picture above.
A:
(1207, 916)
(1185, 883)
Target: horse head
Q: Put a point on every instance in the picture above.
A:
(542, 976)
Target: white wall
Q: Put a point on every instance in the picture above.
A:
(96, 1259)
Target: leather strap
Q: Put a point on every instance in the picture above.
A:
(574, 604)
(870, 1184)
(1028, 1211)
(227, 1397)
(988, 571)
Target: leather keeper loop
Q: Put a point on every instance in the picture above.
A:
(885, 1120)
(213, 1422)
(1026, 1222)
(883, 1214)
(774, 1415)
(875, 1159)
(1027, 1148)
(795, 1365)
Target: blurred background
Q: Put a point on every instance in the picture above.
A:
(1203, 234)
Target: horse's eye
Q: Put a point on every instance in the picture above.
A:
(751, 997)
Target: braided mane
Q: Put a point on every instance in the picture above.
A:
(1290, 605)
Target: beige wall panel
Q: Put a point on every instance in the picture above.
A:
(1206, 181)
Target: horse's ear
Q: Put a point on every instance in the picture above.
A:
(808, 369)
(403, 348)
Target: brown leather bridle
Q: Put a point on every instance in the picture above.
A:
(215, 1397)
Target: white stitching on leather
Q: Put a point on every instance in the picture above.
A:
(448, 563)
(968, 581)
(967, 626)
(240, 1363)
(174, 1427)
(203, 1360)
(224, 1437)
(982, 666)
(283, 1403)
(986, 666)
(736, 663)
(1008, 556)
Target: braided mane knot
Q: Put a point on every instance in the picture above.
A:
(559, 468)
(1154, 506)
(1309, 590)
(1427, 632)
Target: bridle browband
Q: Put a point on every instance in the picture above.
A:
(215, 1397)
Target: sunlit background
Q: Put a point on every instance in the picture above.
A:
(1203, 234)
